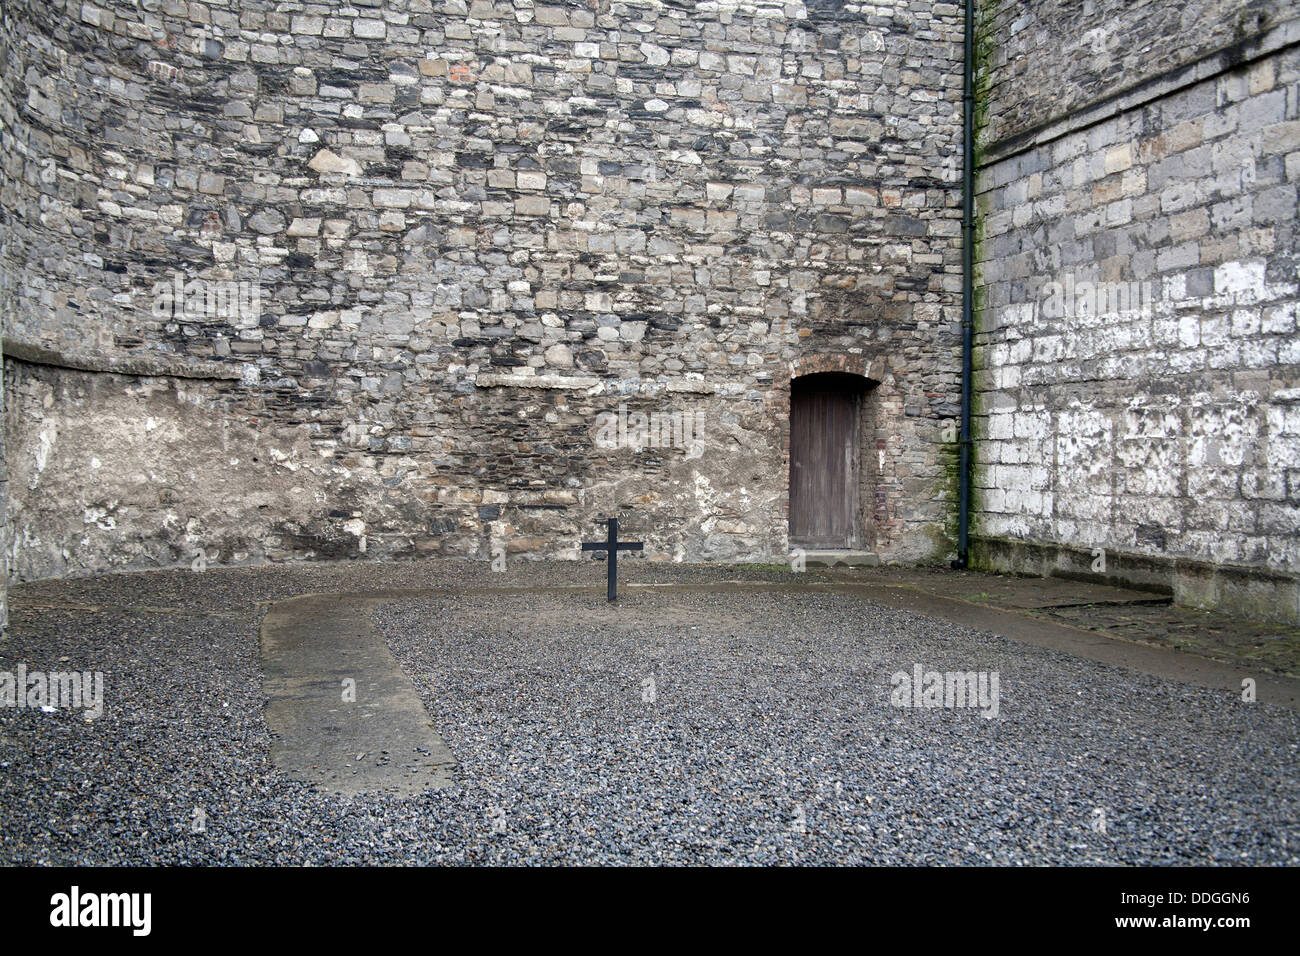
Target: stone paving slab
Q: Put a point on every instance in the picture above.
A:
(381, 740)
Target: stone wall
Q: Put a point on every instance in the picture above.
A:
(422, 246)
(1138, 352)
(9, 164)
(1048, 59)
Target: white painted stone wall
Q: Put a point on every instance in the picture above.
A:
(1161, 415)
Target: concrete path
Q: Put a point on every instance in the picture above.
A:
(1010, 607)
(1033, 629)
(1121, 615)
(341, 713)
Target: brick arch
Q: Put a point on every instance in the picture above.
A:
(872, 369)
(877, 379)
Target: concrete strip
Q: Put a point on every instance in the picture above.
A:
(381, 742)
(138, 365)
(1023, 593)
(1006, 622)
(1156, 661)
(848, 559)
(576, 382)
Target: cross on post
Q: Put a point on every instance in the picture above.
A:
(613, 546)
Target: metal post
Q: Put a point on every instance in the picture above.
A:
(612, 561)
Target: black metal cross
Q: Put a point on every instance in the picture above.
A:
(613, 546)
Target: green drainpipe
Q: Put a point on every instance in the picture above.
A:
(967, 284)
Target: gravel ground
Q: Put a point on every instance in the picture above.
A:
(771, 738)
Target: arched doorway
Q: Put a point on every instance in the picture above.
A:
(828, 420)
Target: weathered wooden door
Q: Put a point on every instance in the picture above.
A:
(823, 463)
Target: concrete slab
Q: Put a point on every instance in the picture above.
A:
(1014, 591)
(847, 559)
(381, 740)
(1024, 626)
(915, 591)
(1125, 615)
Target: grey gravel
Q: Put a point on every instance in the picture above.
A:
(771, 739)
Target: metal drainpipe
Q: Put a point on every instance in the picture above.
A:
(967, 284)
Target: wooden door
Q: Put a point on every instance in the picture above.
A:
(823, 464)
